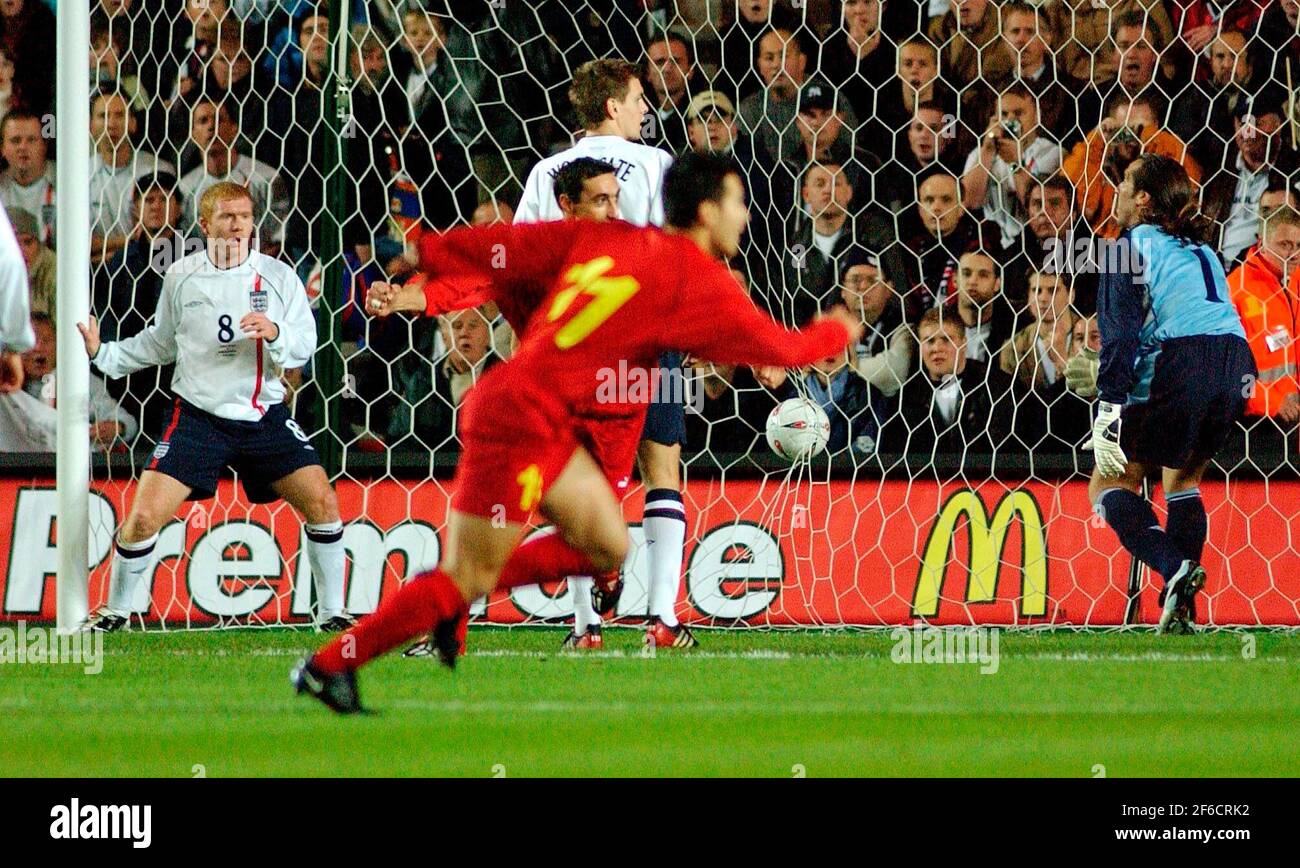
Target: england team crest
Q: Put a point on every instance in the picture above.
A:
(257, 301)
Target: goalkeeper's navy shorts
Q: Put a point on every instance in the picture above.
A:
(197, 446)
(1198, 392)
(665, 418)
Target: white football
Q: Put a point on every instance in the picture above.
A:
(798, 429)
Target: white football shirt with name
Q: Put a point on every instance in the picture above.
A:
(218, 368)
(638, 168)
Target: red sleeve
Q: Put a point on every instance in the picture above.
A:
(450, 292)
(717, 321)
(504, 253)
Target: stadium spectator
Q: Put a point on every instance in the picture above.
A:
(1037, 355)
(768, 116)
(127, 288)
(955, 406)
(818, 244)
(1086, 54)
(451, 88)
(1199, 22)
(214, 131)
(972, 51)
(379, 114)
(928, 142)
(740, 33)
(856, 409)
(711, 126)
(934, 235)
(28, 178)
(856, 58)
(115, 167)
(670, 71)
(148, 37)
(1011, 154)
(916, 81)
(1265, 290)
(1063, 100)
(1097, 164)
(1279, 192)
(436, 390)
(1058, 241)
(1259, 149)
(10, 98)
(884, 355)
(28, 418)
(227, 75)
(489, 213)
(40, 259)
(1216, 97)
(111, 68)
(27, 36)
(981, 305)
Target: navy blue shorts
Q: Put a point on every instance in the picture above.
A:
(1198, 392)
(197, 446)
(665, 420)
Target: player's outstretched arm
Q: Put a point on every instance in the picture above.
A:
(717, 321)
(154, 345)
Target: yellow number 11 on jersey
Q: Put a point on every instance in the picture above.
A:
(609, 294)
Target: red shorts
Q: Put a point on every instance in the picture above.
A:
(512, 449)
(613, 442)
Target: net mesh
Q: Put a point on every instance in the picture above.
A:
(900, 157)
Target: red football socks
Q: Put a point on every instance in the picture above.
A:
(544, 559)
(424, 601)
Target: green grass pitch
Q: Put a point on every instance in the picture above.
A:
(746, 703)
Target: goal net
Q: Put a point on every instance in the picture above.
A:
(947, 170)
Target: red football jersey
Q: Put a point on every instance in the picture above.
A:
(616, 297)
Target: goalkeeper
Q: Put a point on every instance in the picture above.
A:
(1174, 372)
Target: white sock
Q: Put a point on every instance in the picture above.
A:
(664, 521)
(132, 563)
(584, 614)
(326, 554)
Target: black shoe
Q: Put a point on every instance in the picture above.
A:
(1178, 603)
(105, 621)
(338, 623)
(605, 599)
(445, 641)
(337, 692)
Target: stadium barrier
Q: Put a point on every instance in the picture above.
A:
(761, 552)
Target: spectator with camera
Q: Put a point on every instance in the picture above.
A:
(1010, 156)
(1096, 165)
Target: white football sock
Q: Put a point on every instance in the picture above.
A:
(664, 521)
(584, 614)
(326, 555)
(132, 563)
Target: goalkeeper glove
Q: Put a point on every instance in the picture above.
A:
(1104, 441)
(1081, 373)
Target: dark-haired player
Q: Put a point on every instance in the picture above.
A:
(616, 293)
(1175, 372)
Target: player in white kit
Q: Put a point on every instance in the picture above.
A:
(232, 320)
(16, 334)
(609, 100)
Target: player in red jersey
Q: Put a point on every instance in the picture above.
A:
(618, 296)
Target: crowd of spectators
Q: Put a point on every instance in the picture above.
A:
(943, 167)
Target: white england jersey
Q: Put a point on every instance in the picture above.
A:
(16, 335)
(218, 368)
(639, 169)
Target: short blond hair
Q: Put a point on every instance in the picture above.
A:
(224, 191)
